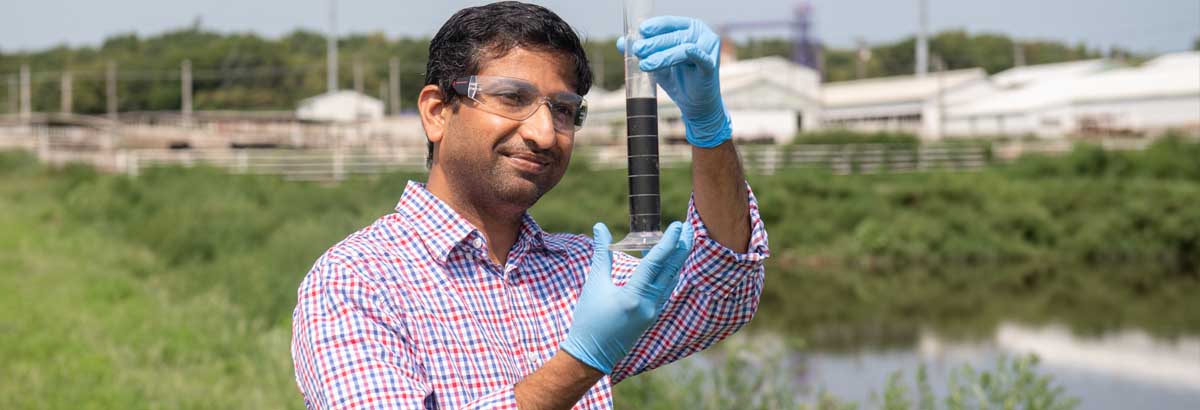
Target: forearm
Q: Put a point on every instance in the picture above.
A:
(721, 196)
(558, 384)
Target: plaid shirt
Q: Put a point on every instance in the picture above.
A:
(411, 313)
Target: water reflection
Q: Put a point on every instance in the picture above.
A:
(1121, 370)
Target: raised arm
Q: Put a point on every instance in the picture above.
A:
(721, 196)
(721, 281)
(684, 56)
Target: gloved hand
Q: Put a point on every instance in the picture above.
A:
(683, 56)
(610, 318)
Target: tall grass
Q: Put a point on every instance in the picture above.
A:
(760, 373)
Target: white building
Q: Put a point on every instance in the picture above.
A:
(1018, 77)
(773, 99)
(1021, 94)
(1086, 99)
(903, 103)
(769, 99)
(340, 106)
(1161, 94)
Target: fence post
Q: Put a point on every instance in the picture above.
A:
(338, 168)
(120, 161)
(132, 159)
(43, 144)
(844, 164)
(770, 160)
(241, 161)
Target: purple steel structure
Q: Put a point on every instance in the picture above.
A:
(806, 48)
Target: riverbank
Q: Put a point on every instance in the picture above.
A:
(176, 288)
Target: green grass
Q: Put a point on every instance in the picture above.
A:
(89, 322)
(175, 289)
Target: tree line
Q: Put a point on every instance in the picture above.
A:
(245, 71)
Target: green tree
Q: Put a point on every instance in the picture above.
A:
(248, 72)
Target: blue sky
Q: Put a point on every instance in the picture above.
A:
(1143, 25)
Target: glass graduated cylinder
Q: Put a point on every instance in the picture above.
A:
(641, 125)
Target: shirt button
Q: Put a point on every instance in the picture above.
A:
(532, 357)
(477, 242)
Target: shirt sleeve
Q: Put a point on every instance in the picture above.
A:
(351, 350)
(717, 293)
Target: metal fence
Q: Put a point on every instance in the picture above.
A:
(101, 149)
(335, 164)
(306, 165)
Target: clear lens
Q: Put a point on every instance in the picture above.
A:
(518, 100)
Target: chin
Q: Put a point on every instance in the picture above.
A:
(521, 192)
(502, 187)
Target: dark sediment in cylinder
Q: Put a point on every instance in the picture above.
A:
(642, 127)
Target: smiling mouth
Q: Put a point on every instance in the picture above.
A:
(529, 162)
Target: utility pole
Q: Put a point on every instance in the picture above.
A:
(394, 85)
(600, 67)
(110, 88)
(861, 59)
(26, 94)
(66, 98)
(1018, 54)
(358, 75)
(331, 48)
(922, 38)
(940, 65)
(185, 92)
(383, 96)
(12, 94)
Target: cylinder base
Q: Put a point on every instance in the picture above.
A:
(637, 241)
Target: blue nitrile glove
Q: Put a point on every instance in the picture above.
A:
(683, 55)
(610, 318)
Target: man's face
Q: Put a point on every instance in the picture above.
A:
(502, 161)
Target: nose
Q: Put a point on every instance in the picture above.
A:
(539, 128)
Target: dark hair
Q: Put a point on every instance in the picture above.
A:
(476, 34)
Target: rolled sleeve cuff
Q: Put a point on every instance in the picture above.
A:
(505, 398)
(719, 267)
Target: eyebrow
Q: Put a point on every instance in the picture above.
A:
(529, 85)
(565, 94)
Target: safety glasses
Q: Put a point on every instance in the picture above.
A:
(518, 100)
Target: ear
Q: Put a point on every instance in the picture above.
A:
(434, 111)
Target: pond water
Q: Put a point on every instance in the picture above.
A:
(1121, 370)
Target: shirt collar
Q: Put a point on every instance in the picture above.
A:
(441, 229)
(531, 233)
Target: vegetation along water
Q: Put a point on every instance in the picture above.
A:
(175, 289)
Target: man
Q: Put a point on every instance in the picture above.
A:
(459, 299)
